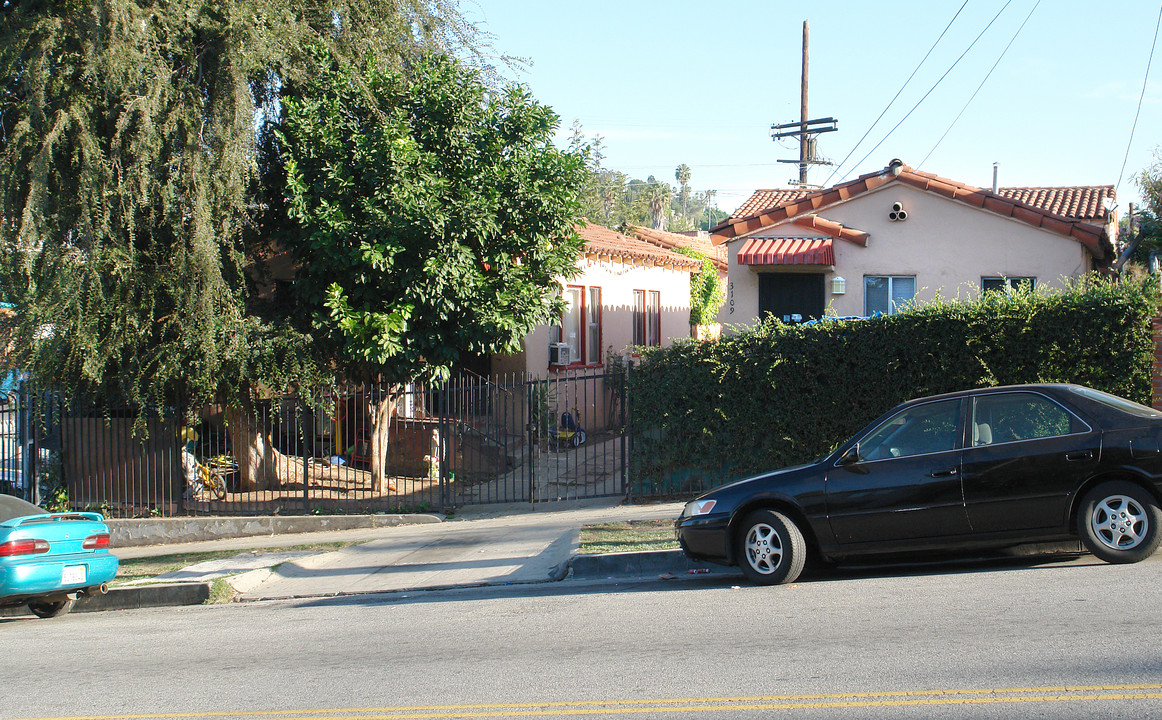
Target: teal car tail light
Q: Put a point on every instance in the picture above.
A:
(96, 542)
(23, 547)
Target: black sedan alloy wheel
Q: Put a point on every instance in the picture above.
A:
(1119, 522)
(771, 548)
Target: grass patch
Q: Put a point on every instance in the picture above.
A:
(220, 592)
(131, 569)
(631, 536)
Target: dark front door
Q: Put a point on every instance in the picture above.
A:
(791, 297)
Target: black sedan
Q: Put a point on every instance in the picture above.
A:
(986, 468)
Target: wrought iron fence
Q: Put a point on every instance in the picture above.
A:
(17, 453)
(468, 440)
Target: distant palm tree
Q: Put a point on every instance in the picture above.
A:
(682, 175)
(657, 197)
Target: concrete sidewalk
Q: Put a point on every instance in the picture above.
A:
(476, 550)
(480, 546)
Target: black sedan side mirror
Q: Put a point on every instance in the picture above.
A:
(851, 456)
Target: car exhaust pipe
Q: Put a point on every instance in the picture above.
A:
(102, 589)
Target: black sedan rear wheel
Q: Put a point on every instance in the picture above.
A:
(771, 548)
(1120, 522)
(51, 609)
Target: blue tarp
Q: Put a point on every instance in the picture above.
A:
(846, 317)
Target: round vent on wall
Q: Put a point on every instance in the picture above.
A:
(898, 213)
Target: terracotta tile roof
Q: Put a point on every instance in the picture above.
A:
(670, 241)
(763, 200)
(786, 251)
(1079, 203)
(601, 243)
(1092, 236)
(834, 229)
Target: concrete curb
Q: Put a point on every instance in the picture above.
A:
(135, 532)
(577, 567)
(132, 598)
(659, 562)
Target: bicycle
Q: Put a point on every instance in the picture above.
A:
(203, 478)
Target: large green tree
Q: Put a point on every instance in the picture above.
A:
(435, 219)
(131, 180)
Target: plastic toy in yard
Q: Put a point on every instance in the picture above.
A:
(570, 432)
(201, 477)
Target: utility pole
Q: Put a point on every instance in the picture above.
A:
(804, 147)
(806, 130)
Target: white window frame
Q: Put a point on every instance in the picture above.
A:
(893, 307)
(593, 329)
(580, 327)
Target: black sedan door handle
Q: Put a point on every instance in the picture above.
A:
(1079, 455)
(946, 472)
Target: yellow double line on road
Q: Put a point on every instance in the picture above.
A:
(903, 698)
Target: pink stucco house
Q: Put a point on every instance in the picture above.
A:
(897, 236)
(627, 292)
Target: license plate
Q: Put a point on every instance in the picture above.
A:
(73, 575)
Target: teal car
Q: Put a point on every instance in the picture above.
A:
(48, 559)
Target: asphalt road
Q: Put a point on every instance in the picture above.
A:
(989, 639)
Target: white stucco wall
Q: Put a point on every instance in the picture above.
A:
(946, 245)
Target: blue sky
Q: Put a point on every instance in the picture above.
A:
(701, 83)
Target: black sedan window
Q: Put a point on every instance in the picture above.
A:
(922, 429)
(1008, 417)
(1117, 403)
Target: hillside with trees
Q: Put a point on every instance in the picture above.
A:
(612, 198)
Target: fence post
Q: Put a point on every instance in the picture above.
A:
(627, 436)
(303, 449)
(25, 435)
(531, 431)
(442, 448)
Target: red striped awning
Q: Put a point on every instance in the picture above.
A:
(786, 251)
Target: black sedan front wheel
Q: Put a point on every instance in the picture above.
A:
(1119, 522)
(771, 548)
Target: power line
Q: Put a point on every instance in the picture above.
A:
(1149, 61)
(978, 87)
(695, 165)
(898, 92)
(921, 100)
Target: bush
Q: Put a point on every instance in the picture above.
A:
(777, 395)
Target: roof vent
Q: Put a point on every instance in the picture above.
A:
(898, 213)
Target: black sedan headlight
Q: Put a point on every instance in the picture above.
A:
(698, 507)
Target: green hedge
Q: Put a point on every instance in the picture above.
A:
(776, 395)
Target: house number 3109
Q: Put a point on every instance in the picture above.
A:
(730, 297)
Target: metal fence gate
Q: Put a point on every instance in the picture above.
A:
(469, 440)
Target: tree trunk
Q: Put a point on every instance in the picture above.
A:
(260, 465)
(381, 410)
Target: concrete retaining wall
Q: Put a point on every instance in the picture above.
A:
(155, 531)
